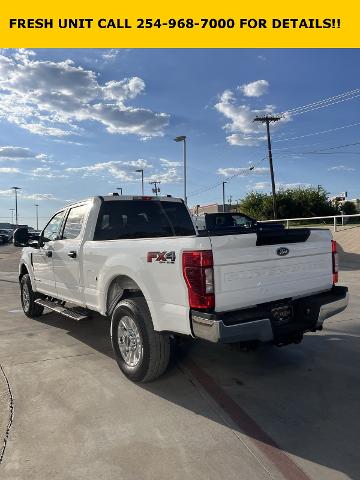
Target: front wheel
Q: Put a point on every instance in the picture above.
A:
(141, 353)
(28, 297)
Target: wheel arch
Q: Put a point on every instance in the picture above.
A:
(23, 270)
(121, 287)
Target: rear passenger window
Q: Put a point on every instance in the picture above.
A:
(74, 222)
(142, 219)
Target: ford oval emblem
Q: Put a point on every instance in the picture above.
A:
(282, 251)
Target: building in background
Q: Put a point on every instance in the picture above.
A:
(339, 200)
(211, 208)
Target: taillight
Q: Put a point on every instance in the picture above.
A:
(335, 261)
(199, 277)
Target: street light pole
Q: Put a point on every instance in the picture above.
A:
(37, 215)
(182, 138)
(267, 119)
(12, 215)
(142, 179)
(16, 203)
(119, 188)
(223, 189)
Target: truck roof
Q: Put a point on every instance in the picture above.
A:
(116, 197)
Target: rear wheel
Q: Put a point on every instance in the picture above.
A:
(28, 297)
(141, 353)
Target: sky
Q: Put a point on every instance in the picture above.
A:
(78, 122)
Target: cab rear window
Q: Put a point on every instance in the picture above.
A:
(142, 219)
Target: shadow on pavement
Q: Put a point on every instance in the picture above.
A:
(348, 261)
(306, 397)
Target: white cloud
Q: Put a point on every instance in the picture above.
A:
(127, 88)
(46, 172)
(279, 185)
(110, 54)
(9, 170)
(29, 196)
(261, 186)
(343, 168)
(55, 98)
(255, 89)
(122, 170)
(170, 163)
(15, 153)
(244, 140)
(41, 196)
(165, 172)
(241, 128)
(241, 171)
(292, 185)
(170, 175)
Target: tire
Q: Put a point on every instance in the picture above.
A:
(28, 297)
(141, 353)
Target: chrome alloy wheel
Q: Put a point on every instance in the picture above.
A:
(130, 342)
(25, 297)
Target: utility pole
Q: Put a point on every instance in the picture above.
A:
(16, 204)
(37, 215)
(141, 170)
(156, 189)
(223, 188)
(12, 215)
(182, 138)
(230, 200)
(267, 120)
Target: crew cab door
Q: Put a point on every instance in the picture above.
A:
(67, 256)
(42, 258)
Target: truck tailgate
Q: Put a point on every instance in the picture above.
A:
(248, 272)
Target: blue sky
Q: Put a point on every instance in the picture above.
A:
(76, 123)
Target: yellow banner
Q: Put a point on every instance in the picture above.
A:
(186, 24)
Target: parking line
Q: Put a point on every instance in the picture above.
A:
(287, 467)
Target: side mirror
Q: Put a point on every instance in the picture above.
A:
(34, 243)
(21, 237)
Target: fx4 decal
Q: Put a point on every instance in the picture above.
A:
(161, 257)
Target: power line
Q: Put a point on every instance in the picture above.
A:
(332, 148)
(324, 106)
(246, 171)
(335, 97)
(327, 102)
(317, 133)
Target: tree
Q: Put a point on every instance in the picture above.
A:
(349, 208)
(291, 202)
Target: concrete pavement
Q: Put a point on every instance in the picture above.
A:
(219, 413)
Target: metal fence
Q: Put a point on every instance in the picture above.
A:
(336, 222)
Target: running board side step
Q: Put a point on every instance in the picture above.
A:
(74, 314)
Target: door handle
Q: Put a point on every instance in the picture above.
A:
(72, 254)
(48, 253)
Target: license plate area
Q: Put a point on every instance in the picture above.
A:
(282, 314)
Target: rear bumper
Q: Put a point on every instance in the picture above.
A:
(258, 325)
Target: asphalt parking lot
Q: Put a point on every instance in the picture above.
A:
(66, 411)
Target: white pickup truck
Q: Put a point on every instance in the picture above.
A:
(141, 262)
